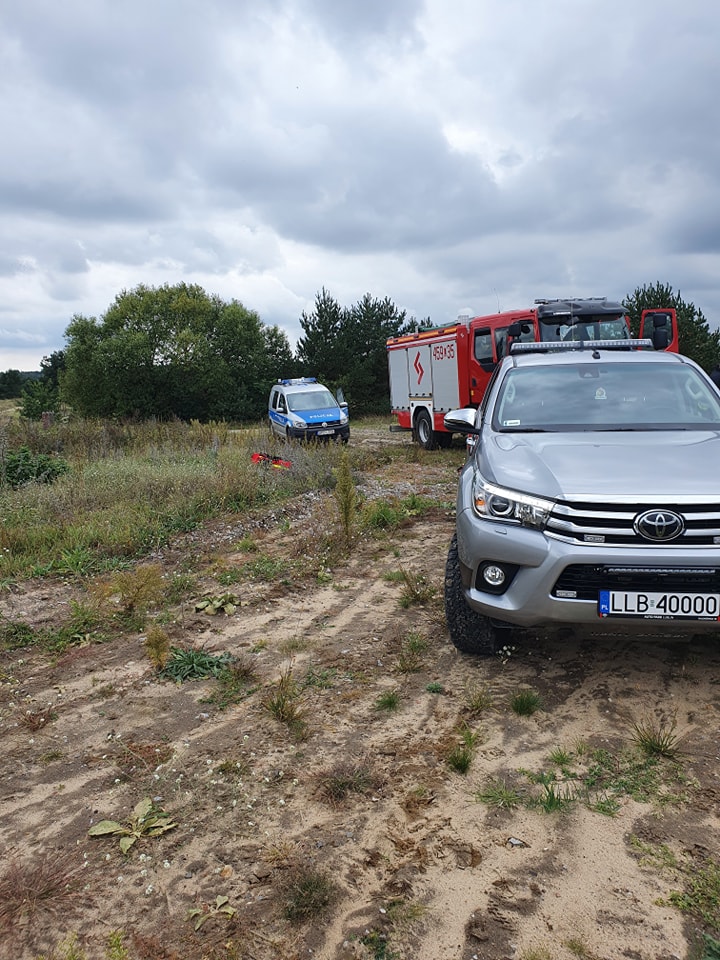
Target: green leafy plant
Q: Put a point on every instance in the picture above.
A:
(18, 467)
(146, 821)
(435, 687)
(220, 908)
(226, 603)
(382, 515)
(193, 663)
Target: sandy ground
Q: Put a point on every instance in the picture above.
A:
(420, 867)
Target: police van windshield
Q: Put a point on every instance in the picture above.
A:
(311, 400)
(612, 396)
(590, 327)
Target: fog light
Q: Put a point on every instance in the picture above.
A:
(493, 575)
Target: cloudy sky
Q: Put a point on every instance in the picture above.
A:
(448, 154)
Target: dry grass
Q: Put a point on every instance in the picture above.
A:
(40, 889)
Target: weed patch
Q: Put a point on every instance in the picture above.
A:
(193, 663)
(600, 779)
(336, 784)
(525, 702)
(388, 701)
(146, 821)
(47, 887)
(307, 894)
(284, 703)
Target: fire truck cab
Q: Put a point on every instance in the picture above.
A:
(434, 371)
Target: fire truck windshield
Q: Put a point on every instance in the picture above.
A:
(584, 327)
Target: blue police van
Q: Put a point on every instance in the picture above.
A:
(303, 409)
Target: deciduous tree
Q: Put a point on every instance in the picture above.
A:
(172, 351)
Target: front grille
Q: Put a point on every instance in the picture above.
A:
(584, 580)
(612, 523)
(323, 426)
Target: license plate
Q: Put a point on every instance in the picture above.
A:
(659, 606)
(325, 433)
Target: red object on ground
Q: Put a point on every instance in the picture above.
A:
(277, 462)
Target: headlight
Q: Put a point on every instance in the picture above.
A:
(299, 423)
(344, 420)
(496, 503)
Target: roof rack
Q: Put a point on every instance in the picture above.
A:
(560, 345)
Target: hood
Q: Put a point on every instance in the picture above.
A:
(668, 464)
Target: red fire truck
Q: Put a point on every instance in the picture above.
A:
(434, 371)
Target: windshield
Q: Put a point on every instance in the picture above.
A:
(606, 396)
(586, 327)
(311, 400)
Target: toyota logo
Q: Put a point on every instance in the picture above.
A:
(659, 525)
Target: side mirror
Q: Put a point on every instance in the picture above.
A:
(462, 421)
(660, 338)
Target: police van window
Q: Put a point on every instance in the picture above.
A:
(483, 346)
(281, 404)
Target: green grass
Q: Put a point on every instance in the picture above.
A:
(525, 702)
(496, 793)
(600, 779)
(656, 737)
(388, 702)
(130, 488)
(461, 755)
(700, 879)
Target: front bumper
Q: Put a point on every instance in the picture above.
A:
(334, 432)
(537, 562)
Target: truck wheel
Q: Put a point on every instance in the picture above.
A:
(470, 631)
(424, 432)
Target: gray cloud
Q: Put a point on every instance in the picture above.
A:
(442, 154)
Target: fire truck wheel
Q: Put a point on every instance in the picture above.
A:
(424, 432)
(470, 631)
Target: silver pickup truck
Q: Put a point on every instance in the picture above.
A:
(591, 496)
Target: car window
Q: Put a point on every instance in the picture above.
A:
(311, 400)
(604, 395)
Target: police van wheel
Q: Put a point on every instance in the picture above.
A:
(424, 433)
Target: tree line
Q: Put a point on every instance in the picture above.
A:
(177, 352)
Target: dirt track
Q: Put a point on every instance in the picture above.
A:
(422, 868)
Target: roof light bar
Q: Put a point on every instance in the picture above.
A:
(548, 346)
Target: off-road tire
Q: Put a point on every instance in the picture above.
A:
(470, 631)
(424, 433)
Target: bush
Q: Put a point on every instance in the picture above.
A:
(21, 466)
